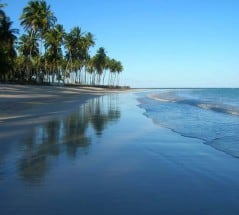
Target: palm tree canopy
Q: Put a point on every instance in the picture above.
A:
(119, 67)
(37, 16)
(6, 32)
(28, 45)
(54, 41)
(2, 14)
(7, 38)
(88, 41)
(54, 37)
(77, 44)
(111, 65)
(100, 60)
(72, 41)
(3, 5)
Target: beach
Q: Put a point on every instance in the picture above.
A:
(22, 106)
(87, 151)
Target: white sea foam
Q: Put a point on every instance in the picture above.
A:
(209, 115)
(173, 98)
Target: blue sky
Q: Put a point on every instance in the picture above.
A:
(161, 43)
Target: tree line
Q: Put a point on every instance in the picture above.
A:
(46, 53)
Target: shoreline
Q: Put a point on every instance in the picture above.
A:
(24, 106)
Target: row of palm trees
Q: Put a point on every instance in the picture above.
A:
(46, 53)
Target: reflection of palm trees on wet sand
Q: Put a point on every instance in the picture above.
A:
(68, 136)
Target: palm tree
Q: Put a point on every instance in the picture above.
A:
(112, 70)
(53, 44)
(37, 18)
(70, 43)
(119, 69)
(73, 49)
(34, 61)
(28, 49)
(85, 44)
(99, 61)
(90, 69)
(27, 45)
(77, 44)
(88, 40)
(7, 50)
(2, 14)
(115, 68)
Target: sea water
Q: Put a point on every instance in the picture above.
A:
(210, 115)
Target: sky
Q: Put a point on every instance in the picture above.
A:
(161, 43)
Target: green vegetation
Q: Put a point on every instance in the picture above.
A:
(46, 53)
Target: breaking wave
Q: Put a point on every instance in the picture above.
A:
(221, 108)
(208, 115)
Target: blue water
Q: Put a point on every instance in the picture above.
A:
(210, 115)
(107, 158)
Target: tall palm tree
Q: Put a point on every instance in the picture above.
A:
(37, 18)
(85, 44)
(73, 42)
(53, 44)
(119, 69)
(115, 68)
(90, 69)
(99, 61)
(112, 65)
(77, 44)
(27, 44)
(28, 50)
(7, 50)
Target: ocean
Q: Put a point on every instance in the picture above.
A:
(210, 115)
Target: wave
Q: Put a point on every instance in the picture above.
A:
(227, 144)
(184, 113)
(173, 98)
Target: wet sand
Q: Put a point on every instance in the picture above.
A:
(23, 106)
(106, 157)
